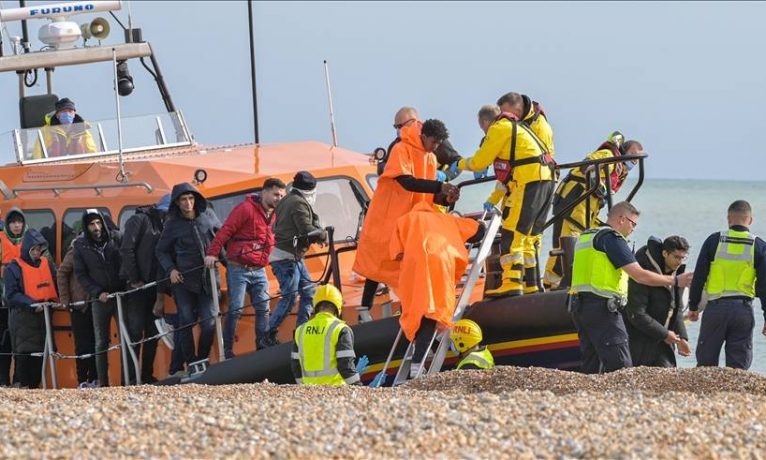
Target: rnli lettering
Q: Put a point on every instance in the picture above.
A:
(43, 284)
(315, 330)
(462, 329)
(63, 9)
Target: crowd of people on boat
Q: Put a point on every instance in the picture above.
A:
(627, 307)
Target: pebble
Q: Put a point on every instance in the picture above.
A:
(506, 412)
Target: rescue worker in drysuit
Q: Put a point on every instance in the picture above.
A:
(533, 115)
(409, 178)
(10, 248)
(29, 279)
(431, 247)
(466, 336)
(574, 185)
(523, 163)
(323, 347)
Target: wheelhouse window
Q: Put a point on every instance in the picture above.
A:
(94, 138)
(223, 205)
(338, 206)
(43, 220)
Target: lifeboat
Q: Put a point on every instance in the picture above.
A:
(138, 159)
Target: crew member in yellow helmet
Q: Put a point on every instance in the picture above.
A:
(466, 336)
(603, 262)
(523, 163)
(731, 269)
(585, 214)
(323, 347)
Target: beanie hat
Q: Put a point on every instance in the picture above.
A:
(64, 103)
(303, 180)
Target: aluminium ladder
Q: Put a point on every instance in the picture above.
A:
(474, 269)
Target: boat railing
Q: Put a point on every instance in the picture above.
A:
(95, 139)
(593, 179)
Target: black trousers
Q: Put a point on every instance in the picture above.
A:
(603, 337)
(729, 321)
(368, 294)
(422, 339)
(139, 320)
(29, 370)
(5, 348)
(84, 343)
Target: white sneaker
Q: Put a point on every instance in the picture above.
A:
(414, 368)
(166, 330)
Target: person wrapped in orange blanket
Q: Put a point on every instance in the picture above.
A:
(431, 247)
(409, 178)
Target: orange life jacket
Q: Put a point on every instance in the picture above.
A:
(38, 281)
(10, 251)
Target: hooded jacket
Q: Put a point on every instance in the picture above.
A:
(69, 288)
(139, 240)
(184, 242)
(652, 311)
(247, 234)
(7, 239)
(27, 327)
(97, 263)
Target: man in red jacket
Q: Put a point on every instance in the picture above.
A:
(248, 237)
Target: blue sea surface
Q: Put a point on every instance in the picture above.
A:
(691, 208)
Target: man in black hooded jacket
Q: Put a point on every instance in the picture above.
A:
(139, 267)
(29, 279)
(188, 232)
(654, 315)
(97, 268)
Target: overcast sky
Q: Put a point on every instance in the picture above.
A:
(687, 79)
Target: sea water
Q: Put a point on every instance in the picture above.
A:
(690, 208)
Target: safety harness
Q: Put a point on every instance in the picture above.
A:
(504, 168)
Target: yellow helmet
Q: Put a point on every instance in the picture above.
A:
(616, 138)
(466, 334)
(329, 293)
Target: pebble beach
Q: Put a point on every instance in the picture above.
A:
(506, 412)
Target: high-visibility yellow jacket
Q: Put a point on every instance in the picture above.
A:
(323, 352)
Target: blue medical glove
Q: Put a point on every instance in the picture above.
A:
(361, 364)
(481, 174)
(441, 176)
(488, 207)
(453, 169)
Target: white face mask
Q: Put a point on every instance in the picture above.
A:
(309, 195)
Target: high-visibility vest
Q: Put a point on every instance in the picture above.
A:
(481, 359)
(38, 281)
(732, 272)
(317, 341)
(593, 271)
(10, 250)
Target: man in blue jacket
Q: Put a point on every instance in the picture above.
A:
(188, 232)
(29, 279)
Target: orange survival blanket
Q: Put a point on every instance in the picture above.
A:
(434, 258)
